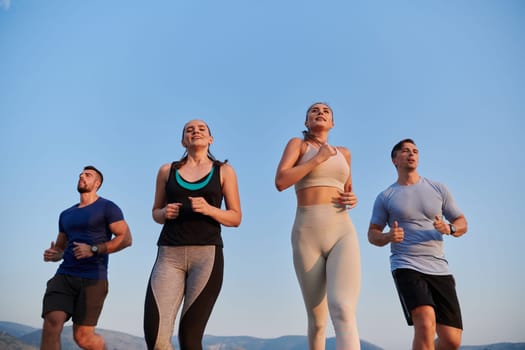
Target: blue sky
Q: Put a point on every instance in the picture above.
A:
(112, 83)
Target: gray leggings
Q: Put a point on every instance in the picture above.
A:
(192, 273)
(327, 263)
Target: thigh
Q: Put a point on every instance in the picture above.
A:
(413, 291)
(344, 271)
(164, 296)
(60, 295)
(310, 269)
(205, 273)
(446, 301)
(168, 277)
(90, 302)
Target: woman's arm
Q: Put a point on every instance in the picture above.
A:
(159, 212)
(288, 173)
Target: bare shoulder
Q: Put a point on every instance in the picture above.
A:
(164, 172)
(295, 142)
(345, 151)
(227, 170)
(165, 168)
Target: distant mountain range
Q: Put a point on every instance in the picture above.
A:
(15, 336)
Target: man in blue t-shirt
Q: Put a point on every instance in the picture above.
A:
(88, 232)
(415, 209)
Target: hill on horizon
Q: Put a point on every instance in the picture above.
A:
(15, 336)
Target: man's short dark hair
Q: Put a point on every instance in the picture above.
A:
(91, 167)
(399, 145)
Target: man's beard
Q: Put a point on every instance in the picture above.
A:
(82, 189)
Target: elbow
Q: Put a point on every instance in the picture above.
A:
(280, 185)
(237, 221)
(129, 241)
(233, 224)
(159, 219)
(372, 239)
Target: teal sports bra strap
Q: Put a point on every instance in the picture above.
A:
(192, 186)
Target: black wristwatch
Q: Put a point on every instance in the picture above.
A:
(452, 229)
(94, 249)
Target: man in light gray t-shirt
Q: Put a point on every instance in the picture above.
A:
(419, 212)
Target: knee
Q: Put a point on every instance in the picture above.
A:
(162, 346)
(317, 326)
(188, 343)
(81, 339)
(425, 331)
(53, 323)
(426, 325)
(342, 313)
(87, 340)
(449, 341)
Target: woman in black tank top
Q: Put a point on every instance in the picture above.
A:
(189, 265)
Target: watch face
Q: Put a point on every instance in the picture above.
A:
(452, 229)
(94, 248)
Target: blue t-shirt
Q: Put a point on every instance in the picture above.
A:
(414, 208)
(90, 225)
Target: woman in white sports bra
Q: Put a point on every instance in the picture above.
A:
(325, 247)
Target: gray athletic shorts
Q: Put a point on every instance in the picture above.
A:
(80, 298)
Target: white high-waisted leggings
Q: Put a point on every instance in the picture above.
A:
(327, 263)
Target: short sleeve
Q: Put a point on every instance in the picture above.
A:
(113, 213)
(379, 212)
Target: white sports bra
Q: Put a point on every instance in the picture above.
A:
(333, 172)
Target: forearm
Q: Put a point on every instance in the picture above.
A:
(289, 177)
(229, 217)
(116, 244)
(122, 239)
(378, 238)
(461, 226)
(159, 215)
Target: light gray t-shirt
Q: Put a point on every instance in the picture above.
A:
(414, 208)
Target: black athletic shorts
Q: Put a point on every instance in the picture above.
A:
(80, 298)
(417, 289)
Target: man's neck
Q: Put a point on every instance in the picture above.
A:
(407, 178)
(87, 198)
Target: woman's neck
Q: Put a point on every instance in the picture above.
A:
(198, 158)
(319, 138)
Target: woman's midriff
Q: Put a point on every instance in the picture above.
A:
(317, 195)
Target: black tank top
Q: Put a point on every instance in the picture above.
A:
(191, 228)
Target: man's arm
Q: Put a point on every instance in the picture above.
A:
(56, 251)
(122, 238)
(460, 223)
(380, 239)
(461, 226)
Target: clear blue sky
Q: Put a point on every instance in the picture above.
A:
(111, 83)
